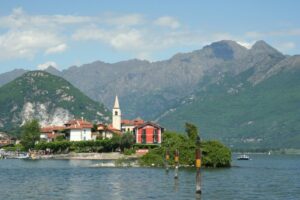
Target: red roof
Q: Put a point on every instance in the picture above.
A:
(108, 128)
(50, 129)
(149, 124)
(135, 122)
(78, 124)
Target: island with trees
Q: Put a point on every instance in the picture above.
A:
(214, 153)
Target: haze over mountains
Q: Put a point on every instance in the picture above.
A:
(215, 87)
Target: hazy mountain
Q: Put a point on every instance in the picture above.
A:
(246, 115)
(48, 98)
(149, 89)
(9, 76)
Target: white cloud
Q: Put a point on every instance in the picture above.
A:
(167, 21)
(56, 49)
(47, 64)
(20, 19)
(123, 39)
(24, 35)
(25, 44)
(123, 20)
(248, 45)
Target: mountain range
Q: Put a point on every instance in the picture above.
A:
(245, 97)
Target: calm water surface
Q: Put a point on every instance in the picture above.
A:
(263, 177)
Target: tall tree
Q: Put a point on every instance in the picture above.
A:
(30, 133)
(192, 131)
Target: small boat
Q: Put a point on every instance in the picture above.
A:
(23, 156)
(243, 157)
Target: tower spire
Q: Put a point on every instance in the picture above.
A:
(116, 115)
(116, 102)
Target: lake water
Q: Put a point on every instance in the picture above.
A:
(263, 177)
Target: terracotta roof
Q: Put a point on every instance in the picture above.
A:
(135, 122)
(78, 124)
(149, 123)
(50, 129)
(108, 127)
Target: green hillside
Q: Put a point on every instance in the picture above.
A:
(265, 115)
(48, 98)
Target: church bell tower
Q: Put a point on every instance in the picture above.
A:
(116, 115)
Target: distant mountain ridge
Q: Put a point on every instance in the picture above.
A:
(48, 98)
(148, 89)
(191, 87)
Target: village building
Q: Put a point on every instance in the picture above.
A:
(106, 132)
(144, 132)
(129, 125)
(148, 133)
(78, 130)
(6, 140)
(50, 133)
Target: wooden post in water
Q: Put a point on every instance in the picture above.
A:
(198, 166)
(167, 159)
(176, 163)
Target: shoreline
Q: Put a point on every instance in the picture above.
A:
(89, 156)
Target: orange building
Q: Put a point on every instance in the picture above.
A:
(148, 133)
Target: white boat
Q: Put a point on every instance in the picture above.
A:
(243, 157)
(23, 156)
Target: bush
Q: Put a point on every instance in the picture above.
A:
(17, 147)
(215, 154)
(80, 146)
(129, 151)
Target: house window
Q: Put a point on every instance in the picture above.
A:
(116, 112)
(144, 136)
(155, 136)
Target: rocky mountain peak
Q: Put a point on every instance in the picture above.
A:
(53, 70)
(261, 47)
(227, 49)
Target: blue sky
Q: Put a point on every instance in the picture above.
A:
(34, 34)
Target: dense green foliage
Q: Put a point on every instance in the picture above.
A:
(45, 91)
(192, 131)
(124, 143)
(80, 147)
(16, 147)
(214, 153)
(265, 115)
(30, 134)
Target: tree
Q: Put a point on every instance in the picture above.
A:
(95, 128)
(127, 140)
(30, 134)
(192, 131)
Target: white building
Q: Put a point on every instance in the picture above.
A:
(79, 130)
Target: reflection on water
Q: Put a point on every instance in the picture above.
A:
(264, 177)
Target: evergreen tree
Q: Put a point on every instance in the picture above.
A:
(192, 131)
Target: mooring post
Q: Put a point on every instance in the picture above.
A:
(176, 163)
(198, 173)
(167, 160)
(198, 166)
